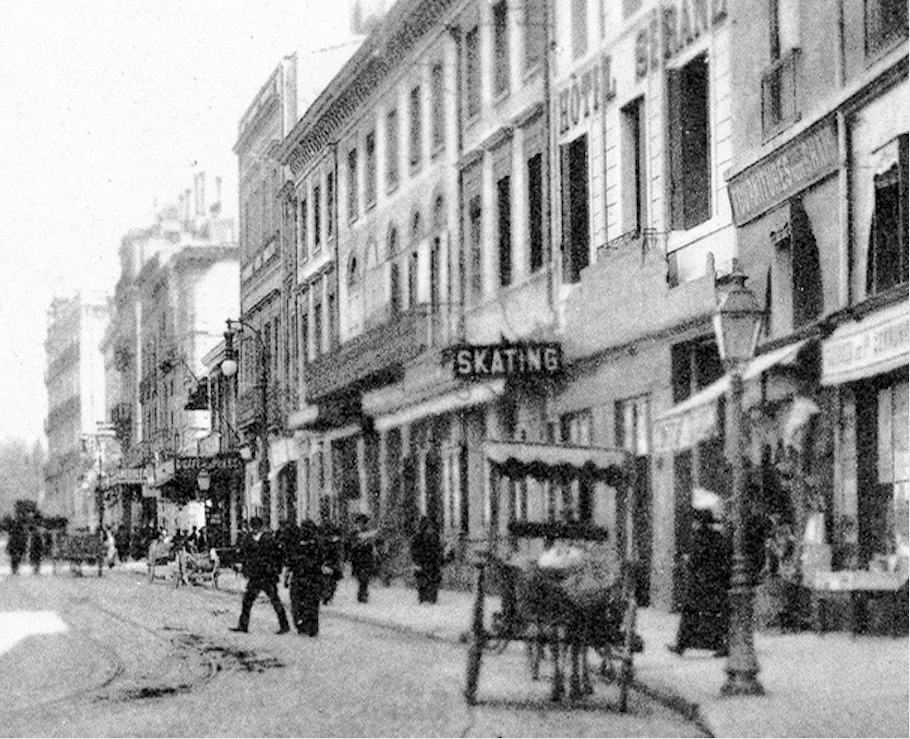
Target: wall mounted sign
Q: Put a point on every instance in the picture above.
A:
(878, 343)
(589, 89)
(483, 361)
(672, 28)
(784, 173)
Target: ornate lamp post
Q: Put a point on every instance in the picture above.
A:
(736, 326)
(229, 369)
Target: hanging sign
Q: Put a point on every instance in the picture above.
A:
(483, 361)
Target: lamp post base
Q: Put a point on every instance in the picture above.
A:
(741, 683)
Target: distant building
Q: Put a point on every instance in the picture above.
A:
(76, 405)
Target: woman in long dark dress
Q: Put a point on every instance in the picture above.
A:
(426, 551)
(705, 616)
(306, 560)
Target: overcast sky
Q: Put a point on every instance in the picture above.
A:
(104, 108)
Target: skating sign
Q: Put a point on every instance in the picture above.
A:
(484, 361)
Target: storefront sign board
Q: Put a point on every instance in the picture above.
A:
(876, 344)
(483, 361)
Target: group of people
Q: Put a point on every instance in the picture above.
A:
(311, 556)
(24, 541)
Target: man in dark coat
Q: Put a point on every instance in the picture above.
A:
(17, 545)
(261, 563)
(426, 551)
(705, 616)
(334, 551)
(363, 557)
(36, 550)
(306, 563)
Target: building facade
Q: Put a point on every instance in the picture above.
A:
(74, 379)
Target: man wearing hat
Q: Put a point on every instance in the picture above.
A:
(261, 563)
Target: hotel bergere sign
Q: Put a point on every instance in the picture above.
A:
(485, 361)
(784, 173)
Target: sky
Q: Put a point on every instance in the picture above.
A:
(105, 109)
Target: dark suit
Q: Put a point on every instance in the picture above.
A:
(306, 559)
(261, 558)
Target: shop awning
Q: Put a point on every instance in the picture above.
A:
(544, 461)
(463, 397)
(876, 344)
(695, 419)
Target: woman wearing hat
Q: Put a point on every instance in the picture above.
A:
(705, 614)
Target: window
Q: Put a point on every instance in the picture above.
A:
(370, 187)
(317, 218)
(535, 211)
(475, 232)
(577, 498)
(886, 261)
(576, 238)
(318, 335)
(353, 272)
(437, 103)
(797, 267)
(534, 32)
(330, 205)
(500, 48)
(689, 149)
(303, 233)
(395, 289)
(579, 28)
(353, 193)
(304, 302)
(634, 168)
(412, 279)
(886, 24)
(391, 149)
(504, 213)
(416, 227)
(633, 424)
(331, 311)
(416, 132)
(472, 71)
(779, 89)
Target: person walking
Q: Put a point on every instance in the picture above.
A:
(426, 551)
(363, 557)
(306, 562)
(36, 550)
(333, 544)
(17, 545)
(261, 563)
(705, 611)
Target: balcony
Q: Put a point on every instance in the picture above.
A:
(378, 353)
(780, 94)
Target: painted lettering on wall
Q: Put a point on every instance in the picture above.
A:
(588, 90)
(673, 28)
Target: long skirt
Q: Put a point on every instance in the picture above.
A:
(305, 597)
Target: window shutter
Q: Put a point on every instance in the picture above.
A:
(674, 145)
(565, 178)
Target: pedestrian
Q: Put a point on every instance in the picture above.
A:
(426, 552)
(705, 614)
(334, 553)
(110, 548)
(17, 545)
(306, 562)
(260, 562)
(363, 557)
(36, 550)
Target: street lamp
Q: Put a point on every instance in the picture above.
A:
(229, 369)
(736, 326)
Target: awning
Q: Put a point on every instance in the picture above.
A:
(872, 346)
(464, 397)
(518, 459)
(695, 419)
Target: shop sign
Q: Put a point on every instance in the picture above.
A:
(784, 173)
(221, 462)
(868, 348)
(483, 361)
(672, 28)
(126, 476)
(589, 89)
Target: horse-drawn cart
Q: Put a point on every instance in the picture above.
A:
(566, 586)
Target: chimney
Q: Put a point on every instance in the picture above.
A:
(199, 187)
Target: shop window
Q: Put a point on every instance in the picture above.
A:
(886, 262)
(579, 28)
(634, 167)
(534, 32)
(504, 213)
(886, 24)
(353, 186)
(694, 366)
(391, 149)
(370, 185)
(437, 98)
(472, 71)
(416, 128)
(689, 144)
(576, 238)
(501, 67)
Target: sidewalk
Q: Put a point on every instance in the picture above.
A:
(833, 685)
